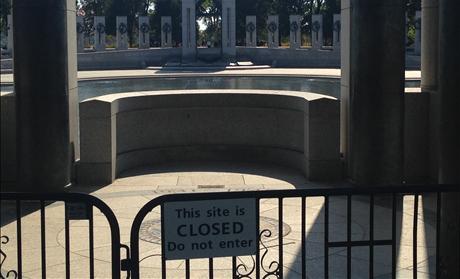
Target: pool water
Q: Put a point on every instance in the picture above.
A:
(94, 88)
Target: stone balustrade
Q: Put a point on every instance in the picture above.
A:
(189, 36)
(98, 34)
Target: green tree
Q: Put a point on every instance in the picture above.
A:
(263, 8)
(170, 8)
(5, 10)
(411, 7)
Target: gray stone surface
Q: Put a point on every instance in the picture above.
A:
(273, 30)
(322, 146)
(449, 136)
(280, 57)
(229, 29)
(8, 140)
(372, 95)
(287, 57)
(80, 34)
(336, 28)
(127, 59)
(448, 86)
(295, 37)
(6, 64)
(277, 57)
(188, 30)
(317, 31)
(143, 32)
(120, 131)
(251, 31)
(122, 33)
(44, 77)
(99, 33)
(429, 78)
(166, 31)
(416, 136)
(72, 86)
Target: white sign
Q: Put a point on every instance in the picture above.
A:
(209, 229)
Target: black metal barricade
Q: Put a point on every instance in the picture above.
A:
(274, 269)
(77, 207)
(80, 207)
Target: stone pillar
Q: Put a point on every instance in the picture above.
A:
(122, 33)
(295, 39)
(144, 32)
(251, 31)
(80, 34)
(166, 31)
(449, 136)
(46, 93)
(188, 30)
(429, 82)
(345, 22)
(273, 31)
(418, 32)
(317, 31)
(228, 29)
(337, 30)
(373, 79)
(449, 85)
(99, 33)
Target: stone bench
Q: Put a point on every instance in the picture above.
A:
(123, 131)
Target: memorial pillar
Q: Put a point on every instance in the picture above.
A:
(345, 21)
(295, 38)
(9, 46)
(46, 93)
(122, 32)
(336, 35)
(448, 90)
(166, 31)
(144, 32)
(80, 34)
(418, 32)
(372, 90)
(439, 58)
(188, 30)
(429, 81)
(251, 31)
(228, 29)
(273, 31)
(317, 31)
(449, 136)
(99, 33)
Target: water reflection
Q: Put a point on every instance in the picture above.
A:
(94, 88)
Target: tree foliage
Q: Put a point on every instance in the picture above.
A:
(208, 9)
(5, 10)
(167, 8)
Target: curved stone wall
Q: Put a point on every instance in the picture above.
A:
(123, 131)
(276, 57)
(141, 58)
